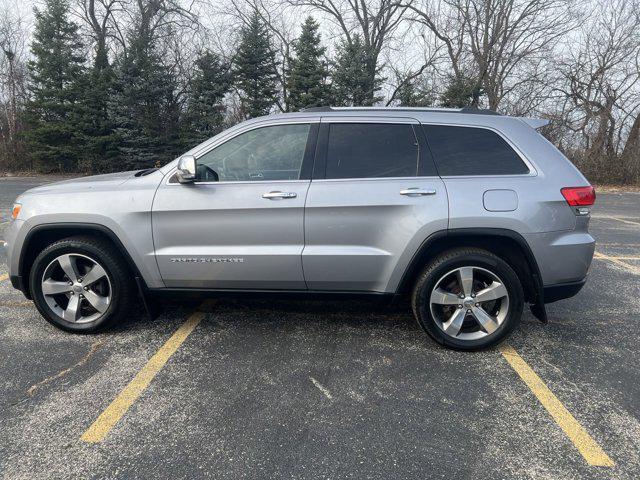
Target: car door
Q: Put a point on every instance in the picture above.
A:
(375, 196)
(240, 224)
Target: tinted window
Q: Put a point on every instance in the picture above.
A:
(267, 153)
(365, 150)
(472, 151)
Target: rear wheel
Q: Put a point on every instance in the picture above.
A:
(468, 299)
(81, 284)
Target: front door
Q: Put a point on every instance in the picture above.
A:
(240, 225)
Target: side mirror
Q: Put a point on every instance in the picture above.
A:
(186, 169)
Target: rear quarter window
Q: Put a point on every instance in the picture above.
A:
(460, 151)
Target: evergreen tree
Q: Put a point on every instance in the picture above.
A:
(308, 79)
(98, 129)
(53, 112)
(255, 71)
(143, 106)
(352, 76)
(204, 116)
(461, 92)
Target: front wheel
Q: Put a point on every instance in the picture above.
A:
(81, 284)
(468, 299)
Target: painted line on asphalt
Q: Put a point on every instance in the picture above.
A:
(617, 261)
(101, 427)
(618, 244)
(25, 304)
(322, 388)
(586, 445)
(619, 219)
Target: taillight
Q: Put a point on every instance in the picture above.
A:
(579, 196)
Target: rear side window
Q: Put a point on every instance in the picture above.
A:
(371, 150)
(472, 151)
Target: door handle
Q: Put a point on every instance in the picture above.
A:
(272, 195)
(417, 191)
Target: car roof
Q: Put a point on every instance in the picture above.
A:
(463, 116)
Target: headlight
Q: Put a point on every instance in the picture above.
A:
(16, 210)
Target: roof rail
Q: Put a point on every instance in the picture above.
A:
(467, 110)
(317, 109)
(478, 111)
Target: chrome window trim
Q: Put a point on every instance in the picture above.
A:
(241, 182)
(533, 171)
(373, 179)
(253, 126)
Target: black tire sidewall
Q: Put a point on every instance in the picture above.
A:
(93, 252)
(488, 262)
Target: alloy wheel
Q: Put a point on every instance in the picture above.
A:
(469, 303)
(76, 288)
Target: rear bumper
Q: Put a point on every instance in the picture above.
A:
(553, 293)
(563, 257)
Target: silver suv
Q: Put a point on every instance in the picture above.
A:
(468, 213)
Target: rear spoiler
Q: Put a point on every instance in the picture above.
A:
(535, 123)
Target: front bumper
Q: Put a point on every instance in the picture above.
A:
(12, 253)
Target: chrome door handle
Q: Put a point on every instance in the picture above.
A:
(417, 191)
(272, 195)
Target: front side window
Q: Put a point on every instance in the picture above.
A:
(267, 153)
(371, 150)
(472, 151)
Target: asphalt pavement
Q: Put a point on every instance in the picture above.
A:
(270, 389)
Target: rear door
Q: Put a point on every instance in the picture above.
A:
(374, 197)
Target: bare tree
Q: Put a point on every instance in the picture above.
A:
(13, 82)
(99, 16)
(406, 76)
(602, 84)
(501, 44)
(373, 21)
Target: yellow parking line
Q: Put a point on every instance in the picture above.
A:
(587, 446)
(617, 261)
(16, 304)
(114, 412)
(618, 244)
(3, 277)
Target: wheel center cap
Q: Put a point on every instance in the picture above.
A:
(77, 288)
(468, 302)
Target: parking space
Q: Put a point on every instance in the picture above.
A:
(309, 389)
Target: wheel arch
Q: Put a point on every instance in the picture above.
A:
(40, 236)
(506, 244)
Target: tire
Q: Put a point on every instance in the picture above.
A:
(453, 316)
(89, 304)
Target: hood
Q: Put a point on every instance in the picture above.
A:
(83, 184)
